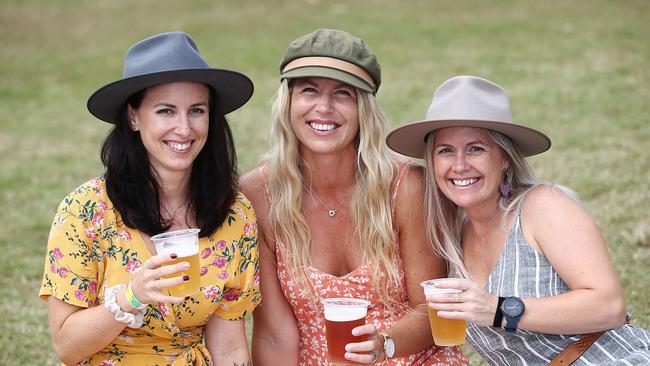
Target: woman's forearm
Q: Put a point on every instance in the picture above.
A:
(412, 333)
(578, 311)
(80, 333)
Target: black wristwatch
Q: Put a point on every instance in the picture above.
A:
(512, 308)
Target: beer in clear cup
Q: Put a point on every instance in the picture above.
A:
(185, 243)
(445, 332)
(341, 316)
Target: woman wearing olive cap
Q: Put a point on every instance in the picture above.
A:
(340, 216)
(536, 286)
(170, 164)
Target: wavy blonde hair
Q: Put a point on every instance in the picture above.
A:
(445, 218)
(370, 202)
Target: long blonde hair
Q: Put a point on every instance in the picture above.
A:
(370, 202)
(445, 218)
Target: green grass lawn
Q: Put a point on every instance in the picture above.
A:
(578, 70)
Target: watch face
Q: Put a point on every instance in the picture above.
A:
(512, 307)
(389, 347)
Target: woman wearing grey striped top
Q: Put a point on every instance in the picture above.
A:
(534, 271)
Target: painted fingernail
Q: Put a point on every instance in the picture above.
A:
(186, 278)
(173, 256)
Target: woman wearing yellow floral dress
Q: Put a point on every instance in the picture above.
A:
(170, 164)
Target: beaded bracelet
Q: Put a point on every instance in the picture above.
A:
(130, 297)
(110, 302)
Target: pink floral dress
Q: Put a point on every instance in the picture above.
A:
(358, 284)
(90, 249)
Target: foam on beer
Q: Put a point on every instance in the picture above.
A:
(344, 314)
(434, 290)
(183, 245)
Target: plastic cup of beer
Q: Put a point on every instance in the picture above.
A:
(185, 243)
(343, 314)
(445, 332)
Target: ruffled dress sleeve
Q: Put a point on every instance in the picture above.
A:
(74, 257)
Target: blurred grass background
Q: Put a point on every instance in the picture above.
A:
(578, 70)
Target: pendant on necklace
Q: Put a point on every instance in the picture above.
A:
(330, 213)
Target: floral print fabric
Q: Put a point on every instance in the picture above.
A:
(358, 283)
(90, 249)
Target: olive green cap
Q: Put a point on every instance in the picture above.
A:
(332, 54)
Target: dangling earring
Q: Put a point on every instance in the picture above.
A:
(504, 187)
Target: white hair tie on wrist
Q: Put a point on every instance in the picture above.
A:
(110, 302)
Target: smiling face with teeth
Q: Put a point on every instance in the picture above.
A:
(468, 166)
(324, 115)
(173, 121)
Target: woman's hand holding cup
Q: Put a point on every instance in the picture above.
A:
(149, 284)
(369, 351)
(462, 299)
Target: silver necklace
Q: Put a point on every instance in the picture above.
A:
(333, 212)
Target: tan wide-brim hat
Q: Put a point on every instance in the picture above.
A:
(467, 101)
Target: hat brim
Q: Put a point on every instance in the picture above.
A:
(328, 73)
(233, 89)
(410, 140)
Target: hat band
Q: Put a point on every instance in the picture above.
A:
(333, 63)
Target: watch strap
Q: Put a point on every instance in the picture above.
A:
(498, 315)
(511, 324)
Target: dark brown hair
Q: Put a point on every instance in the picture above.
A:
(133, 187)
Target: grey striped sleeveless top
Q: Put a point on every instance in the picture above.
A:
(523, 272)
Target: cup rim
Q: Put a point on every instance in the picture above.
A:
(345, 302)
(433, 280)
(430, 285)
(175, 234)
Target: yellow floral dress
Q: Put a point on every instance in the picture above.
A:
(90, 249)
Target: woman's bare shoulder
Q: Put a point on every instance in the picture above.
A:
(550, 198)
(253, 186)
(253, 183)
(410, 195)
(411, 184)
(548, 207)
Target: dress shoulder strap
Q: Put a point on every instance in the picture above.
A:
(262, 171)
(402, 168)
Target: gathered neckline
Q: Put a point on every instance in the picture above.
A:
(363, 266)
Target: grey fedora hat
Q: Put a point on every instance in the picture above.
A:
(467, 101)
(165, 58)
